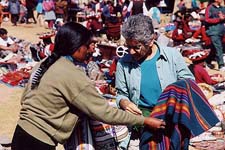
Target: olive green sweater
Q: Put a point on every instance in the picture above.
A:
(50, 112)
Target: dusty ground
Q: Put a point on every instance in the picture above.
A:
(10, 96)
(9, 101)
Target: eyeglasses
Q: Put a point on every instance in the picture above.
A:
(136, 48)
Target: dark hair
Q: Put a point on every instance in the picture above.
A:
(3, 31)
(68, 39)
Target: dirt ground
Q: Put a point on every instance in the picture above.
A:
(10, 96)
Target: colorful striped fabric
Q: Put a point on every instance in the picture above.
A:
(186, 112)
(91, 134)
(81, 138)
(103, 135)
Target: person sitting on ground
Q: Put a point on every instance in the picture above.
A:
(43, 48)
(94, 25)
(178, 34)
(6, 43)
(198, 68)
(59, 94)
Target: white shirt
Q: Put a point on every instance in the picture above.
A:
(6, 42)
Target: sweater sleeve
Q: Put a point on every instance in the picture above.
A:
(95, 106)
(208, 17)
(202, 76)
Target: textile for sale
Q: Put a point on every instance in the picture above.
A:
(187, 113)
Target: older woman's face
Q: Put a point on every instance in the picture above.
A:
(137, 49)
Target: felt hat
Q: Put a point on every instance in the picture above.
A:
(199, 55)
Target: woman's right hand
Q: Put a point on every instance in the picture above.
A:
(154, 123)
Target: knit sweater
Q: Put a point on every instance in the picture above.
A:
(51, 111)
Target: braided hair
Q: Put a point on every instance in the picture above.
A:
(69, 39)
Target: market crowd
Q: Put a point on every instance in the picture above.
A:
(115, 76)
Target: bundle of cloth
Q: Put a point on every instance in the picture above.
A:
(187, 114)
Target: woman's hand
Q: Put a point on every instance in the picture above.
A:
(154, 123)
(130, 107)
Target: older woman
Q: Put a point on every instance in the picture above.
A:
(59, 93)
(143, 74)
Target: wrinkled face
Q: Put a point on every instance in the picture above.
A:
(137, 49)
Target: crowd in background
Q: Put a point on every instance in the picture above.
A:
(196, 33)
(201, 25)
(197, 26)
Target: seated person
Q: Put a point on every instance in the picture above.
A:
(186, 21)
(112, 28)
(180, 34)
(43, 48)
(206, 43)
(203, 36)
(94, 25)
(6, 43)
(198, 70)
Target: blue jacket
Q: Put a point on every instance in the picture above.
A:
(170, 67)
(214, 26)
